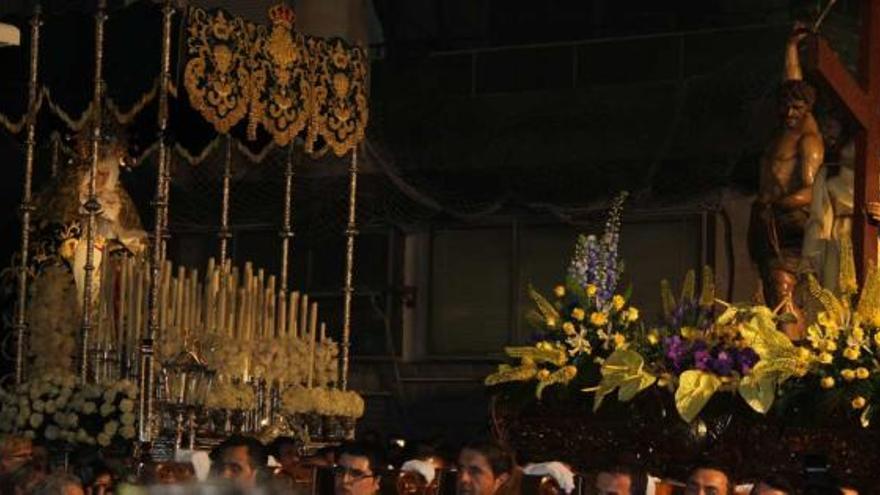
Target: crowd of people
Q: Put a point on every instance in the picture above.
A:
(245, 465)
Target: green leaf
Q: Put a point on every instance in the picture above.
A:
(707, 292)
(687, 289)
(865, 418)
(631, 387)
(758, 390)
(624, 369)
(545, 308)
(695, 388)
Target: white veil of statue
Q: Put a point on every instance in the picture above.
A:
(830, 220)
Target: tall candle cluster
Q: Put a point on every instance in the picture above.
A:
(235, 319)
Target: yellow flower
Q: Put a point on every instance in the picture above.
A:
(827, 382)
(617, 302)
(569, 372)
(559, 291)
(851, 353)
(858, 334)
(568, 328)
(830, 346)
(848, 374)
(826, 321)
(591, 290)
(543, 346)
(551, 322)
(578, 314)
(543, 375)
(859, 402)
(619, 340)
(826, 358)
(599, 319)
(632, 314)
(653, 337)
(862, 373)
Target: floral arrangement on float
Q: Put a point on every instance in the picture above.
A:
(57, 408)
(701, 346)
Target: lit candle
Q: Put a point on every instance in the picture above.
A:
(292, 327)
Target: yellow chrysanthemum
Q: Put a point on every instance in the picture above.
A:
(559, 291)
(617, 302)
(632, 313)
(619, 340)
(591, 290)
(830, 346)
(569, 372)
(653, 337)
(852, 353)
(568, 328)
(826, 358)
(689, 332)
(862, 373)
(859, 402)
(826, 321)
(543, 375)
(578, 314)
(599, 319)
(848, 374)
(858, 333)
(827, 382)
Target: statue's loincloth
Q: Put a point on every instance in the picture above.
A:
(776, 237)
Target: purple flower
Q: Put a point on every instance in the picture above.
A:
(676, 351)
(723, 363)
(746, 360)
(702, 360)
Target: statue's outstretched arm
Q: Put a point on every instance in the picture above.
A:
(793, 71)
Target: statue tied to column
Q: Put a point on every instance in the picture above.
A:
(60, 246)
(782, 208)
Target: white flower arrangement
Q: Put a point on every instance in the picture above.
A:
(58, 409)
(322, 401)
(226, 394)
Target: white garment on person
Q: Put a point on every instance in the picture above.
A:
(561, 474)
(424, 468)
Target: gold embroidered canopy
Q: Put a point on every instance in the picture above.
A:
(289, 83)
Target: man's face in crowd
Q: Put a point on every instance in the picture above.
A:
(15, 455)
(288, 456)
(236, 466)
(613, 484)
(707, 482)
(475, 475)
(355, 476)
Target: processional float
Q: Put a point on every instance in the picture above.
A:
(178, 354)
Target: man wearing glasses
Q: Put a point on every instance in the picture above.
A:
(357, 470)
